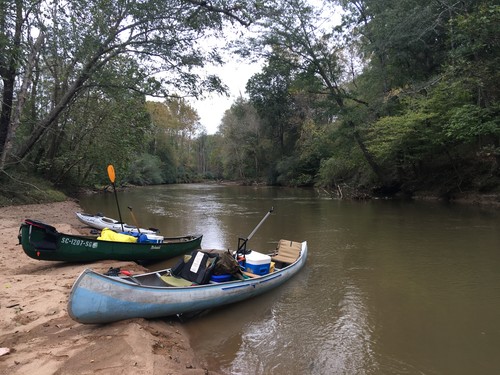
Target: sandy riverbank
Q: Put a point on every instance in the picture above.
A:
(43, 339)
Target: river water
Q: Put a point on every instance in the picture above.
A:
(389, 287)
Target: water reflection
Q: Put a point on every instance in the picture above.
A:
(350, 337)
(286, 340)
(389, 287)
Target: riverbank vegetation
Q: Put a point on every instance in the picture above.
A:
(393, 98)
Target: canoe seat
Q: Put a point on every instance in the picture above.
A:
(287, 251)
(176, 281)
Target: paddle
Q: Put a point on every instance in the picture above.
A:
(129, 274)
(135, 220)
(111, 175)
(242, 242)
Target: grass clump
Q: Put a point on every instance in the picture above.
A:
(21, 188)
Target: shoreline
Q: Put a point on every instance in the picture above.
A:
(41, 337)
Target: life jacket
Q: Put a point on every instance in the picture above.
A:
(197, 267)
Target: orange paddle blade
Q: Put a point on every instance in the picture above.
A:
(111, 173)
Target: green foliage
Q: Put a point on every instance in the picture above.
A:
(292, 171)
(100, 130)
(212, 157)
(475, 54)
(335, 170)
(173, 128)
(402, 138)
(470, 122)
(19, 187)
(270, 94)
(93, 63)
(145, 170)
(401, 95)
(344, 164)
(244, 150)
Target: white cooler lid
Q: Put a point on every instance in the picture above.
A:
(257, 258)
(154, 237)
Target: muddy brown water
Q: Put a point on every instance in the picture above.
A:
(390, 287)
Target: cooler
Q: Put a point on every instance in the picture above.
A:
(257, 263)
(153, 238)
(149, 238)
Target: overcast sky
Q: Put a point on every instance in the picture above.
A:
(235, 75)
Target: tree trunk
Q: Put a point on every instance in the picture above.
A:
(368, 156)
(5, 116)
(8, 73)
(16, 119)
(92, 65)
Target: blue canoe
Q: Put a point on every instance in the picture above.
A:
(97, 298)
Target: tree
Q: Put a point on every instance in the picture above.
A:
(107, 127)
(12, 22)
(244, 152)
(447, 121)
(174, 126)
(83, 38)
(292, 27)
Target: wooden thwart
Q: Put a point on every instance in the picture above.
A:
(249, 274)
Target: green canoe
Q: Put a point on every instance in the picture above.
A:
(42, 241)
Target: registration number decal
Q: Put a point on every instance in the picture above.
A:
(79, 242)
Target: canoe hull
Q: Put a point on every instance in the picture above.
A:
(43, 242)
(96, 298)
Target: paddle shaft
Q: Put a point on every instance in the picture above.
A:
(135, 220)
(111, 175)
(258, 225)
(117, 205)
(242, 242)
(129, 274)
